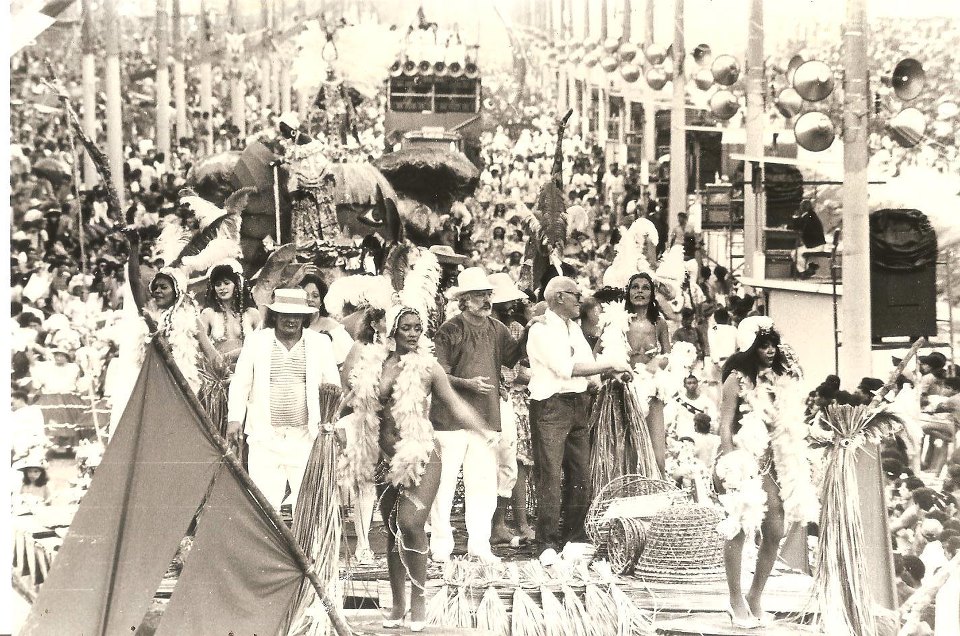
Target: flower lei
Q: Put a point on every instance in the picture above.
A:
(409, 411)
(772, 416)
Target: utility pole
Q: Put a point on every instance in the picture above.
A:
(89, 82)
(162, 111)
(855, 328)
(179, 73)
(266, 99)
(649, 107)
(285, 97)
(114, 109)
(238, 106)
(678, 123)
(206, 76)
(603, 91)
(585, 96)
(754, 204)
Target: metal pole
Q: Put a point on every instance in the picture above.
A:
(948, 265)
(678, 118)
(163, 79)
(89, 81)
(276, 201)
(179, 74)
(754, 217)
(856, 353)
(114, 109)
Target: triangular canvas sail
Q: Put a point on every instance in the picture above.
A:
(153, 477)
(239, 577)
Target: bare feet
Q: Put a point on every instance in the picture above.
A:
(527, 533)
(501, 535)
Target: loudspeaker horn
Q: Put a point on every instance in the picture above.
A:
(813, 80)
(789, 102)
(439, 68)
(724, 104)
(396, 69)
(627, 51)
(425, 68)
(795, 62)
(655, 54)
(702, 54)
(703, 79)
(609, 63)
(471, 70)
(630, 72)
(814, 131)
(907, 127)
(455, 69)
(907, 79)
(725, 70)
(656, 77)
(409, 68)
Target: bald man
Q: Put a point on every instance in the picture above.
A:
(561, 362)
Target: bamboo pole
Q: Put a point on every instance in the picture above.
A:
(89, 83)
(179, 74)
(754, 213)
(678, 121)
(336, 618)
(114, 110)
(162, 111)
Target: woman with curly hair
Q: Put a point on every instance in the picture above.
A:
(229, 314)
(763, 472)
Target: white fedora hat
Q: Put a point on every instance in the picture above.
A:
(504, 289)
(470, 280)
(291, 301)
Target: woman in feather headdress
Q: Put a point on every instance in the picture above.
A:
(765, 475)
(229, 313)
(392, 386)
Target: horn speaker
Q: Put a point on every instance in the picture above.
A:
(702, 54)
(409, 68)
(455, 69)
(439, 68)
(813, 80)
(396, 69)
(725, 70)
(724, 104)
(425, 68)
(907, 127)
(789, 102)
(814, 131)
(471, 70)
(907, 79)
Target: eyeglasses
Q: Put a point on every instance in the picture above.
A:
(576, 295)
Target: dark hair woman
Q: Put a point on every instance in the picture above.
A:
(762, 432)
(316, 290)
(229, 313)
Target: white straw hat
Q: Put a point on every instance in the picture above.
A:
(291, 301)
(504, 289)
(469, 280)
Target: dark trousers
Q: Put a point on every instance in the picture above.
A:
(560, 436)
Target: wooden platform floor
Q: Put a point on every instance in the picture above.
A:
(718, 624)
(369, 623)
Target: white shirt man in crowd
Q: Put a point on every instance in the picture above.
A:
(561, 362)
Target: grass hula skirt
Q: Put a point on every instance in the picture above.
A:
(316, 522)
(619, 438)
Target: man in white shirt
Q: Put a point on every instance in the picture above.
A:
(721, 339)
(561, 362)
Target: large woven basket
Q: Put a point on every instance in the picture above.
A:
(628, 486)
(682, 544)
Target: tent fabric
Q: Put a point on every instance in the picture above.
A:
(239, 577)
(148, 487)
(902, 240)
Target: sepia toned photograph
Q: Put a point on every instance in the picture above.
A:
(483, 318)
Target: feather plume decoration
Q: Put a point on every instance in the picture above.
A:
(630, 257)
(172, 240)
(226, 230)
(272, 273)
(421, 283)
(357, 291)
(217, 251)
(236, 203)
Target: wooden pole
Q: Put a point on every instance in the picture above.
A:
(856, 350)
(179, 74)
(649, 107)
(206, 76)
(285, 91)
(89, 82)
(678, 121)
(266, 68)
(162, 111)
(754, 213)
(114, 111)
(237, 102)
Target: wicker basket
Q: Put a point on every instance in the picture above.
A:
(682, 543)
(597, 522)
(625, 540)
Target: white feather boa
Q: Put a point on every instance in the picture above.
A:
(772, 416)
(409, 411)
(182, 336)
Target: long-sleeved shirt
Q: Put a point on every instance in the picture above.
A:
(554, 347)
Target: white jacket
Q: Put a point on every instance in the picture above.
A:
(249, 398)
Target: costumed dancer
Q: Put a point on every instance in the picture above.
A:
(393, 385)
(314, 212)
(765, 474)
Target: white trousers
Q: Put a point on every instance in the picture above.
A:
(277, 458)
(507, 450)
(471, 451)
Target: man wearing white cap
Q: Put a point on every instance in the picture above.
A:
(471, 347)
(275, 394)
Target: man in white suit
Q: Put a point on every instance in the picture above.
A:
(275, 394)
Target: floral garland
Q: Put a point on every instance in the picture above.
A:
(409, 411)
(772, 417)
